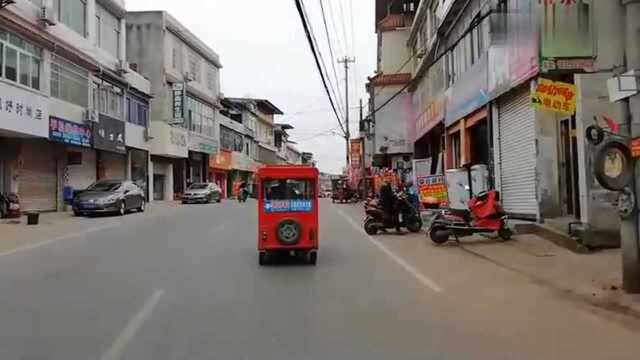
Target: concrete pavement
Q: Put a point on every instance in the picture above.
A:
(186, 285)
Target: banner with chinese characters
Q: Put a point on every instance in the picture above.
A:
(69, 132)
(554, 96)
(432, 190)
(24, 112)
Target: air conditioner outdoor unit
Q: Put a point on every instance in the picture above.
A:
(123, 66)
(190, 76)
(147, 134)
(91, 116)
(47, 15)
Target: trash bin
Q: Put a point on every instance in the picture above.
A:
(32, 218)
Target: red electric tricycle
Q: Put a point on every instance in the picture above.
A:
(287, 212)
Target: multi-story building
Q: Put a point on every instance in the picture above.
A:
(294, 156)
(391, 141)
(281, 141)
(237, 128)
(185, 82)
(260, 115)
(72, 110)
(480, 73)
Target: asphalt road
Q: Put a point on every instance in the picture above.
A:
(188, 286)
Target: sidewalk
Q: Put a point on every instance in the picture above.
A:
(15, 234)
(595, 277)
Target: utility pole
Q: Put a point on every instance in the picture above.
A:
(346, 61)
(630, 228)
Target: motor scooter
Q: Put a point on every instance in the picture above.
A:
(484, 215)
(377, 220)
(9, 205)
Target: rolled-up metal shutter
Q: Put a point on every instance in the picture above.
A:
(518, 154)
(112, 166)
(38, 181)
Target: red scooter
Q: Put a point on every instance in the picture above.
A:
(485, 215)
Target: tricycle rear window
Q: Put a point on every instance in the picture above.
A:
(289, 189)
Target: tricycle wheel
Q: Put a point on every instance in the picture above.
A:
(370, 227)
(505, 234)
(415, 225)
(439, 234)
(262, 258)
(312, 258)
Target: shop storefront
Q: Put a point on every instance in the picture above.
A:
(109, 142)
(80, 161)
(139, 169)
(28, 162)
(516, 144)
(169, 150)
(219, 166)
(37, 175)
(201, 148)
(468, 139)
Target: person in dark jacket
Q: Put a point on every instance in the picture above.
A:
(388, 202)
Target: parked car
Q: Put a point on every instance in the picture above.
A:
(202, 193)
(109, 196)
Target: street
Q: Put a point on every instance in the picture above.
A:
(187, 285)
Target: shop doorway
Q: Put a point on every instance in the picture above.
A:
(158, 186)
(568, 158)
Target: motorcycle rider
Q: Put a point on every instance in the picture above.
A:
(388, 202)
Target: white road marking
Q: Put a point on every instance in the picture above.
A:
(135, 323)
(59, 238)
(425, 280)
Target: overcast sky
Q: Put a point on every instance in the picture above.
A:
(265, 54)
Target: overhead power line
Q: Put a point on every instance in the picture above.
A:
(326, 30)
(305, 25)
(322, 62)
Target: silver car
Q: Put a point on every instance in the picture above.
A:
(202, 193)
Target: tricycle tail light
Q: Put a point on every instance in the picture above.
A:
(264, 236)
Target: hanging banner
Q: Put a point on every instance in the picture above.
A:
(555, 96)
(356, 153)
(432, 190)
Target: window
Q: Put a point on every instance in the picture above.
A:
(201, 117)
(289, 189)
(137, 112)
(35, 73)
(25, 70)
(19, 60)
(174, 58)
(72, 13)
(69, 82)
(108, 99)
(98, 29)
(211, 79)
(194, 66)
(11, 67)
(107, 31)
